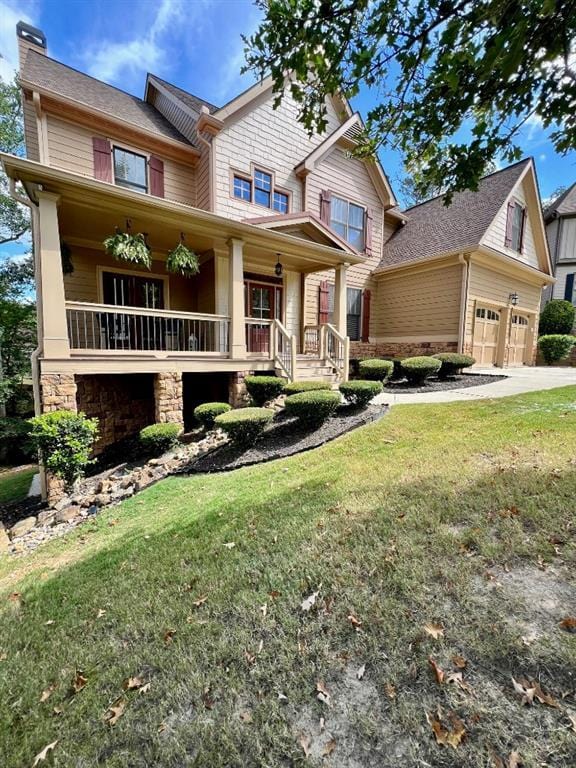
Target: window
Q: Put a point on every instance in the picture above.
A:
(486, 314)
(515, 226)
(347, 219)
(130, 170)
(354, 313)
(262, 188)
(519, 320)
(242, 188)
(280, 202)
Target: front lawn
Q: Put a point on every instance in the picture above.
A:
(328, 609)
(15, 483)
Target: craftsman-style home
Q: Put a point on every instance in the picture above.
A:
(305, 259)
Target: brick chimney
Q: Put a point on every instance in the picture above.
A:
(29, 39)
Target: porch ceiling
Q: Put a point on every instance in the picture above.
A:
(90, 209)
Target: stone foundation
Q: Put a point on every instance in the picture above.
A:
(237, 393)
(359, 349)
(58, 392)
(168, 402)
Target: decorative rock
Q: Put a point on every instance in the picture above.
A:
(4, 540)
(22, 527)
(63, 502)
(68, 514)
(46, 517)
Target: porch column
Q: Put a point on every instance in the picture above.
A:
(55, 331)
(236, 308)
(340, 299)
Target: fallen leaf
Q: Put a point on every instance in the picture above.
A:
(439, 673)
(310, 601)
(200, 601)
(79, 682)
(47, 692)
(274, 594)
(514, 761)
(207, 699)
(569, 624)
(246, 717)
(3, 655)
(329, 748)
(459, 661)
(144, 689)
(572, 719)
(260, 646)
(523, 689)
(361, 672)
(390, 690)
(115, 711)
(322, 723)
(434, 630)
(264, 610)
(230, 545)
(113, 522)
(41, 756)
(169, 635)
(544, 698)
(57, 710)
(448, 730)
(162, 727)
(101, 613)
(132, 682)
(282, 697)
(355, 621)
(322, 691)
(305, 742)
(49, 622)
(15, 598)
(495, 760)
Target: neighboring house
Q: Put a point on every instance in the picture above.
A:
(560, 218)
(305, 257)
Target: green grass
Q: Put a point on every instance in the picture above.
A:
(15, 483)
(415, 519)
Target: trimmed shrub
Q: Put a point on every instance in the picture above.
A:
(159, 438)
(555, 347)
(296, 387)
(15, 443)
(264, 388)
(376, 370)
(207, 412)
(417, 369)
(64, 440)
(452, 363)
(312, 408)
(557, 318)
(244, 425)
(360, 392)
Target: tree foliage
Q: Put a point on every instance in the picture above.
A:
(14, 218)
(456, 81)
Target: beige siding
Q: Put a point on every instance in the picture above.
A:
(562, 271)
(422, 304)
(70, 148)
(30, 130)
(496, 235)
(292, 302)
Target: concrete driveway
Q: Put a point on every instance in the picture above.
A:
(518, 381)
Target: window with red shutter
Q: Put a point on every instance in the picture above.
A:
(102, 151)
(156, 166)
(366, 297)
(325, 201)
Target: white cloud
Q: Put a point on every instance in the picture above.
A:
(11, 13)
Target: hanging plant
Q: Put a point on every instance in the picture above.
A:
(183, 261)
(124, 246)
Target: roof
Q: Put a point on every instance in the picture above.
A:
(564, 205)
(308, 221)
(433, 228)
(51, 75)
(195, 103)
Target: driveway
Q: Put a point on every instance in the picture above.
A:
(518, 381)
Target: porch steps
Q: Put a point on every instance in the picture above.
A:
(310, 368)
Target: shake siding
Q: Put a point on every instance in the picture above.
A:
(203, 178)
(496, 235)
(423, 304)
(70, 148)
(272, 139)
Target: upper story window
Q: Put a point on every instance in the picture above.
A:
(130, 170)
(348, 220)
(260, 189)
(515, 225)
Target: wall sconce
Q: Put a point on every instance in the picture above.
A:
(513, 299)
(278, 267)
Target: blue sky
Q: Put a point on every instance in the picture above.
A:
(195, 44)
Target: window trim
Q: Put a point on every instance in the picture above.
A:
(241, 177)
(331, 301)
(349, 202)
(250, 177)
(144, 155)
(100, 269)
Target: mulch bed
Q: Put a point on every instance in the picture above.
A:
(285, 437)
(435, 385)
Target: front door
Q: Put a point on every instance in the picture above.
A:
(264, 302)
(130, 331)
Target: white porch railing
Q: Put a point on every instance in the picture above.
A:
(285, 349)
(108, 328)
(336, 349)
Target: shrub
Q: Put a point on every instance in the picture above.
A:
(452, 363)
(555, 346)
(15, 443)
(207, 412)
(64, 440)
(360, 392)
(557, 318)
(296, 387)
(376, 370)
(312, 408)
(159, 438)
(417, 369)
(244, 425)
(264, 388)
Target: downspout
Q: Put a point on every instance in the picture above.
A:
(465, 261)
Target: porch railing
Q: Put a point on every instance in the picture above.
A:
(337, 350)
(258, 337)
(284, 347)
(313, 338)
(104, 327)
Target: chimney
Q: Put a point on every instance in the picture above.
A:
(29, 39)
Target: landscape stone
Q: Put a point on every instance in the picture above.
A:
(22, 527)
(66, 515)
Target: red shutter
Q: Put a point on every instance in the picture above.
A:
(325, 199)
(366, 295)
(102, 151)
(156, 176)
(509, 222)
(323, 302)
(368, 233)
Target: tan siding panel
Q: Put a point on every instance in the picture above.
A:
(496, 235)
(30, 131)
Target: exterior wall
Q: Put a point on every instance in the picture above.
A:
(361, 350)
(30, 130)
(237, 393)
(496, 235)
(57, 392)
(203, 177)
(274, 140)
(292, 302)
(70, 148)
(562, 270)
(168, 402)
(567, 244)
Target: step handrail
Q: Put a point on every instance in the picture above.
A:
(336, 348)
(284, 349)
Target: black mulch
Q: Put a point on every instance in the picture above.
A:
(435, 385)
(285, 437)
(12, 511)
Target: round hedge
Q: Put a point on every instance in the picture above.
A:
(312, 408)
(557, 318)
(360, 392)
(244, 425)
(555, 347)
(417, 369)
(452, 363)
(264, 388)
(207, 412)
(159, 438)
(376, 370)
(296, 387)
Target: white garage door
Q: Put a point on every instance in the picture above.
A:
(485, 337)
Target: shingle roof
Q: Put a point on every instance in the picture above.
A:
(195, 103)
(47, 73)
(433, 228)
(564, 205)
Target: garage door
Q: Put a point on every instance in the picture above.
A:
(518, 339)
(485, 339)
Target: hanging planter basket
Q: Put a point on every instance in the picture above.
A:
(133, 249)
(183, 261)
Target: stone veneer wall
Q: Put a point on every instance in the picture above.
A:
(58, 392)
(238, 395)
(168, 401)
(400, 349)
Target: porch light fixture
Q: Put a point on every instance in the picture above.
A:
(513, 299)
(278, 267)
